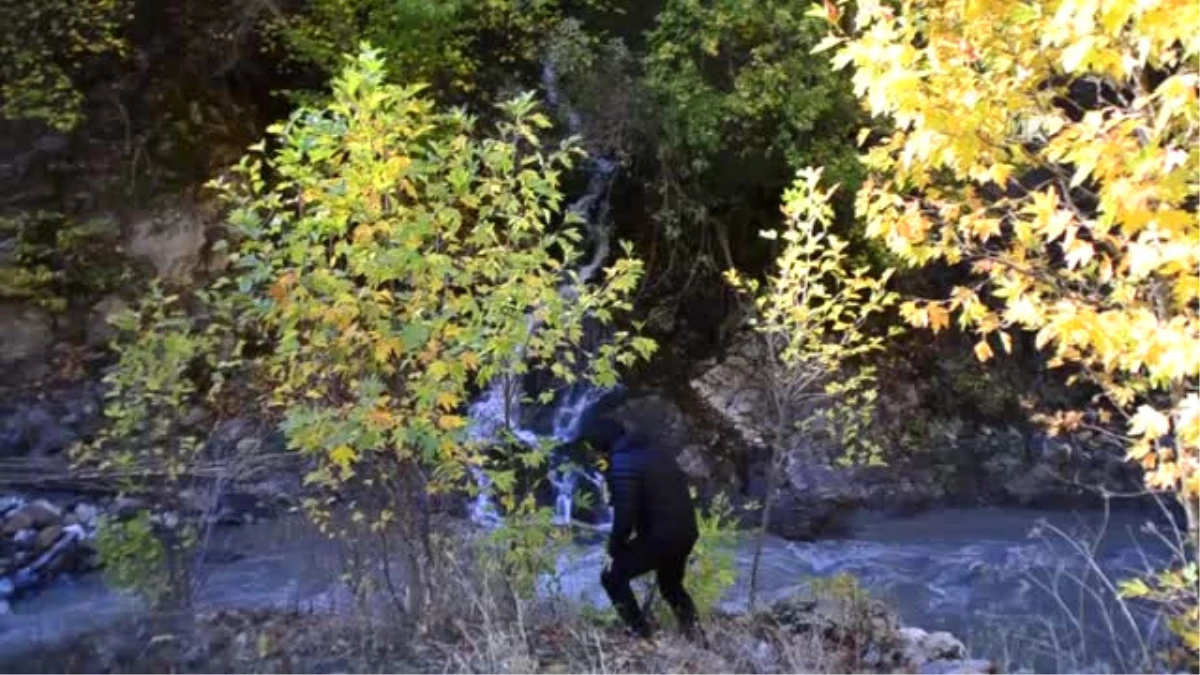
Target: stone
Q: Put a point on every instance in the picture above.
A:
(942, 645)
(36, 514)
(693, 463)
(99, 328)
(5, 608)
(6, 587)
(26, 333)
(25, 537)
(171, 239)
(814, 500)
(958, 667)
(128, 506)
(10, 503)
(85, 513)
(734, 388)
(47, 536)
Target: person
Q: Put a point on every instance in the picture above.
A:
(653, 528)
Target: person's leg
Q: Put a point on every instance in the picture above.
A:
(627, 566)
(670, 575)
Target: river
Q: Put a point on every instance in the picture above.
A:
(974, 572)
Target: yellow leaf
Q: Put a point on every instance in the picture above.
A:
(470, 360)
(982, 351)
(446, 400)
(451, 422)
(343, 456)
(939, 318)
(1149, 423)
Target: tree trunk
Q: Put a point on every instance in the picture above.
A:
(764, 526)
(1191, 509)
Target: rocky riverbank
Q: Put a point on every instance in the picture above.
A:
(40, 540)
(826, 633)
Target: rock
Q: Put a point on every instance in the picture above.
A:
(5, 608)
(99, 330)
(25, 537)
(26, 333)
(37, 514)
(920, 647)
(734, 388)
(958, 667)
(814, 500)
(10, 503)
(125, 506)
(942, 645)
(48, 536)
(171, 239)
(694, 463)
(6, 587)
(84, 513)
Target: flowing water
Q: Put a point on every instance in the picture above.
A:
(974, 572)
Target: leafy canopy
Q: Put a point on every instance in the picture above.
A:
(735, 86)
(452, 44)
(46, 45)
(1078, 217)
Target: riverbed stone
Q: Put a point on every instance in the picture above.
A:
(942, 645)
(958, 667)
(36, 514)
(47, 536)
(83, 514)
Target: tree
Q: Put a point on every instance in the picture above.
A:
(741, 104)
(1051, 148)
(175, 381)
(452, 44)
(45, 47)
(811, 319)
(400, 258)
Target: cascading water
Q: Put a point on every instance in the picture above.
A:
(499, 408)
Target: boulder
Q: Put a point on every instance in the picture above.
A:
(958, 667)
(47, 536)
(735, 389)
(36, 514)
(26, 333)
(84, 514)
(99, 329)
(171, 239)
(34, 430)
(920, 647)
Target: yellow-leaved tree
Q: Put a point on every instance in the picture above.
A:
(811, 318)
(1051, 146)
(400, 257)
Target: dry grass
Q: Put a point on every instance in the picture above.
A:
(548, 640)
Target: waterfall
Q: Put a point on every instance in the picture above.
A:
(500, 407)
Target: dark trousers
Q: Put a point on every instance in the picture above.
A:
(668, 562)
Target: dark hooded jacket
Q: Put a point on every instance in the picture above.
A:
(650, 497)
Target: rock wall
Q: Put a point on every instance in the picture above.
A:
(932, 458)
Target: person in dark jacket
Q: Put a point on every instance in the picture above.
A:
(653, 529)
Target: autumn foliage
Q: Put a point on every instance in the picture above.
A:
(1051, 148)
